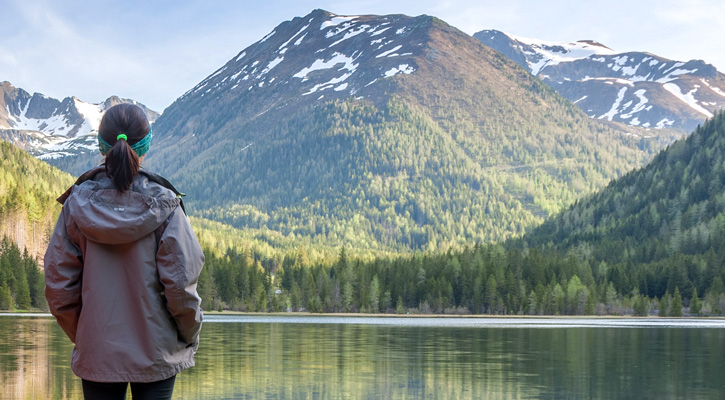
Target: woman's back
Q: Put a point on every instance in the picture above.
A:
(122, 267)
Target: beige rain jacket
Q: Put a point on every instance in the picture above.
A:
(121, 271)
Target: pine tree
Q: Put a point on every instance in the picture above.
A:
(664, 305)
(639, 306)
(695, 305)
(676, 307)
(374, 295)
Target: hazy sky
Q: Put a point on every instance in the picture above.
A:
(154, 51)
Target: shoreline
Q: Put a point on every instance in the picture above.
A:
(411, 316)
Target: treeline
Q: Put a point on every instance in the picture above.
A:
(479, 280)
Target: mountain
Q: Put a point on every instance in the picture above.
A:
(635, 88)
(52, 129)
(383, 132)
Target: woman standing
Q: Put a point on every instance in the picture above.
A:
(121, 270)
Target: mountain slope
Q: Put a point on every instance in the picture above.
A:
(635, 88)
(54, 130)
(673, 205)
(383, 132)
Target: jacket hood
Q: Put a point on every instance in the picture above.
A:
(106, 215)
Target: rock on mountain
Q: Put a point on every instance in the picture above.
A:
(635, 88)
(384, 132)
(52, 129)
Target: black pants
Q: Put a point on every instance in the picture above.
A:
(159, 390)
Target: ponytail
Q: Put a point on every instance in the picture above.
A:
(122, 164)
(123, 137)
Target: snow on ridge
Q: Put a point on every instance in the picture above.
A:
(379, 31)
(271, 65)
(337, 20)
(402, 68)
(664, 122)
(568, 47)
(640, 106)
(55, 124)
(264, 39)
(298, 41)
(609, 115)
(350, 34)
(610, 80)
(713, 88)
(92, 114)
(387, 52)
(554, 53)
(688, 98)
(328, 84)
(319, 64)
(671, 76)
(293, 36)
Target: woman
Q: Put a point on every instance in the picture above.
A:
(121, 270)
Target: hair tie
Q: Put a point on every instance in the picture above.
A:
(140, 147)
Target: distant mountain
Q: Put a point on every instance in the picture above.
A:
(635, 88)
(388, 132)
(52, 129)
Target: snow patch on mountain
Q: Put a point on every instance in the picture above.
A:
(22, 122)
(336, 20)
(403, 68)
(613, 111)
(319, 64)
(553, 53)
(688, 98)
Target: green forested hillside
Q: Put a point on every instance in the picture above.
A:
(393, 178)
(676, 204)
(28, 189)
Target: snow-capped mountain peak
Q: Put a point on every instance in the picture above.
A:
(338, 45)
(51, 128)
(636, 88)
(545, 53)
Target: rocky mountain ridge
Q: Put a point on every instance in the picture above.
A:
(49, 128)
(635, 88)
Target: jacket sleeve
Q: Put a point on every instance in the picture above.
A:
(63, 264)
(179, 261)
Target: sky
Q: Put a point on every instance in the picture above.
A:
(154, 51)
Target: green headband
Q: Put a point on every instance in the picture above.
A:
(140, 147)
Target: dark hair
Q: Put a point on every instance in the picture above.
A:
(122, 163)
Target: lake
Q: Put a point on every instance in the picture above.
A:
(326, 357)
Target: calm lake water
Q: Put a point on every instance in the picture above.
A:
(272, 357)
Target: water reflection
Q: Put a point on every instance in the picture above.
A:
(324, 358)
(35, 360)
